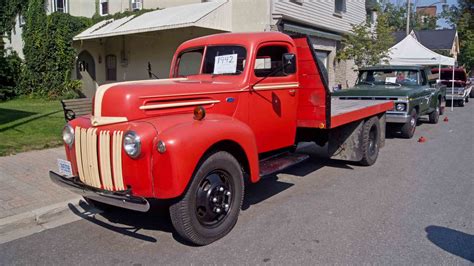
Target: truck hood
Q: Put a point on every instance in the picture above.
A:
(128, 101)
(378, 91)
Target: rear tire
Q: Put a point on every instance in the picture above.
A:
(408, 129)
(370, 141)
(210, 207)
(434, 116)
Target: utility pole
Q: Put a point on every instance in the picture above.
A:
(408, 16)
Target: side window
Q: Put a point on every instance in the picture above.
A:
(269, 61)
(189, 63)
(111, 67)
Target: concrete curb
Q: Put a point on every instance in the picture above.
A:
(35, 221)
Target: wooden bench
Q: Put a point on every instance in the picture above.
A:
(76, 107)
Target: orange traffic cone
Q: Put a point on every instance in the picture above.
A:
(446, 119)
(422, 139)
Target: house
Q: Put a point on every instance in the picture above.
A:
(141, 47)
(443, 41)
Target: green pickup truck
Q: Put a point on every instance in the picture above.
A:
(409, 87)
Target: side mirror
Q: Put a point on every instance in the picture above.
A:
(289, 63)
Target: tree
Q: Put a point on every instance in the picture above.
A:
(397, 18)
(461, 17)
(368, 45)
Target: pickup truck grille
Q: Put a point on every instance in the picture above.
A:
(99, 158)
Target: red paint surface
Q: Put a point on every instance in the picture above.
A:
(256, 120)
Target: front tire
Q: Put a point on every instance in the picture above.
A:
(408, 129)
(434, 116)
(370, 141)
(210, 207)
(461, 103)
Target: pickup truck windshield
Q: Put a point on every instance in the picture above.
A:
(382, 77)
(218, 60)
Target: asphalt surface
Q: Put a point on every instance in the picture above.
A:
(414, 206)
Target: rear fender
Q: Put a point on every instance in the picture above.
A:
(187, 143)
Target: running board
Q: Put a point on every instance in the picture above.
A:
(279, 162)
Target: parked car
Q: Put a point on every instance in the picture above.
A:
(232, 111)
(414, 95)
(462, 86)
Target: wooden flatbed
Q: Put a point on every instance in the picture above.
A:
(346, 111)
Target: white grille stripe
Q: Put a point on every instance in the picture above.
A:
(105, 170)
(94, 161)
(117, 160)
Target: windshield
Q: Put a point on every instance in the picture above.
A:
(396, 77)
(218, 60)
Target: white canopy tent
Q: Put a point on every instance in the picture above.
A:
(410, 52)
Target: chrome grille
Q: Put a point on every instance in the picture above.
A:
(99, 158)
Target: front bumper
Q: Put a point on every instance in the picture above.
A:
(397, 117)
(122, 199)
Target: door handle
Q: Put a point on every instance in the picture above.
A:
(292, 92)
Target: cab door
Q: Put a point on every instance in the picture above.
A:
(272, 98)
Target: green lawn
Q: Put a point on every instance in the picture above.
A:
(30, 124)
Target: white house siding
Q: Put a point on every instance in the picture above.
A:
(320, 13)
(250, 15)
(16, 42)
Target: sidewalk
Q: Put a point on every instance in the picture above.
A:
(28, 197)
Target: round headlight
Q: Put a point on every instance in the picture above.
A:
(68, 135)
(400, 107)
(132, 144)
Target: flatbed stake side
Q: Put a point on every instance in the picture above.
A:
(233, 110)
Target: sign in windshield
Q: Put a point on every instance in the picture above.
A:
(218, 60)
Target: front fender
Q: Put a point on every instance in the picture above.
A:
(186, 143)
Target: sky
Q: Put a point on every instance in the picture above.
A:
(441, 23)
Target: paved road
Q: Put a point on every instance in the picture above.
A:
(415, 205)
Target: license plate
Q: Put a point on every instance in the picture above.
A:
(64, 167)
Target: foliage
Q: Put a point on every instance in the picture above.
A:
(10, 66)
(49, 56)
(397, 17)
(368, 45)
(9, 10)
(462, 18)
(29, 124)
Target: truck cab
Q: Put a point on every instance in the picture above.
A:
(232, 111)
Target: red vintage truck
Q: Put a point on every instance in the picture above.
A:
(232, 112)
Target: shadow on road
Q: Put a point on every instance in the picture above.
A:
(129, 223)
(124, 221)
(452, 241)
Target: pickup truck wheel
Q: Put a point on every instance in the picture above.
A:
(370, 141)
(434, 116)
(408, 129)
(210, 207)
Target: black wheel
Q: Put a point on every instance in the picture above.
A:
(370, 141)
(467, 99)
(461, 103)
(210, 207)
(434, 116)
(408, 129)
